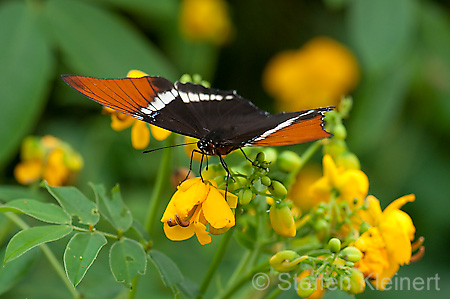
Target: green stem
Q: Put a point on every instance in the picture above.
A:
(161, 181)
(50, 256)
(240, 268)
(244, 279)
(216, 260)
(108, 235)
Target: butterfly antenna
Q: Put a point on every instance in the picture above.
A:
(164, 147)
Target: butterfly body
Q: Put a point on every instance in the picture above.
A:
(223, 121)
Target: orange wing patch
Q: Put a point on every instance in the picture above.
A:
(299, 132)
(126, 95)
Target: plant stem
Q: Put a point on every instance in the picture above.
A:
(161, 180)
(50, 256)
(243, 279)
(240, 268)
(216, 260)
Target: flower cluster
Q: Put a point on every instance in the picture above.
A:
(140, 134)
(205, 20)
(195, 204)
(47, 158)
(316, 75)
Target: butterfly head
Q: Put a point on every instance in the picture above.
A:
(212, 147)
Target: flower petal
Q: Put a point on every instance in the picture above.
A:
(159, 133)
(400, 202)
(330, 170)
(136, 74)
(217, 211)
(178, 233)
(140, 135)
(120, 121)
(190, 197)
(28, 172)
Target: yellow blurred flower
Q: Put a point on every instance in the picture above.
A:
(193, 206)
(47, 158)
(387, 243)
(316, 75)
(350, 185)
(299, 189)
(140, 135)
(192, 149)
(205, 20)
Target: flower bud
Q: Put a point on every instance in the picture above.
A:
(270, 155)
(351, 254)
(260, 157)
(266, 181)
(334, 245)
(345, 106)
(306, 287)
(245, 196)
(339, 131)
(282, 220)
(286, 260)
(320, 225)
(289, 161)
(185, 78)
(277, 188)
(335, 147)
(348, 160)
(364, 227)
(357, 283)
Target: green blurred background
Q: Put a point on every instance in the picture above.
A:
(399, 128)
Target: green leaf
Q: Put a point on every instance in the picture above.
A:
(94, 41)
(189, 288)
(382, 30)
(25, 74)
(32, 237)
(168, 270)
(8, 193)
(127, 259)
(75, 203)
(81, 251)
(114, 210)
(46, 212)
(12, 272)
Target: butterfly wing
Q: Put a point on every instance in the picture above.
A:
(194, 110)
(143, 98)
(238, 122)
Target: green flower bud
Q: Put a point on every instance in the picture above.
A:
(345, 106)
(266, 181)
(245, 196)
(348, 160)
(185, 78)
(364, 227)
(282, 220)
(271, 155)
(286, 260)
(196, 78)
(339, 131)
(357, 283)
(334, 245)
(277, 188)
(334, 147)
(351, 254)
(320, 225)
(205, 83)
(306, 287)
(289, 161)
(260, 157)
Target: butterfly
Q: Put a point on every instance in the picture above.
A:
(223, 121)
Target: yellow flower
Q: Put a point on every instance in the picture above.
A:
(47, 158)
(387, 243)
(140, 135)
(193, 206)
(349, 185)
(189, 149)
(299, 189)
(205, 20)
(316, 75)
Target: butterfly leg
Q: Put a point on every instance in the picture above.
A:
(190, 164)
(222, 161)
(201, 164)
